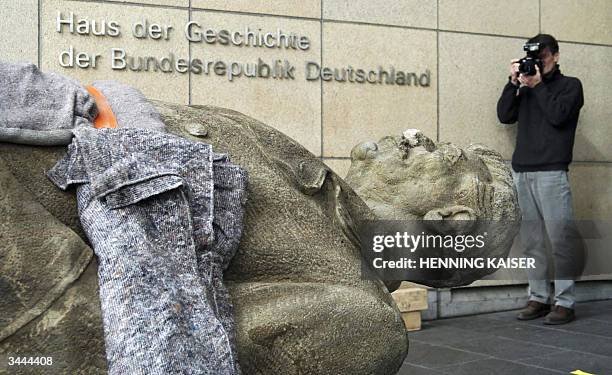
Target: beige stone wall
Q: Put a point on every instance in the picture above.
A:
(464, 44)
(19, 31)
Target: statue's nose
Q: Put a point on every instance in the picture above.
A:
(416, 137)
(413, 138)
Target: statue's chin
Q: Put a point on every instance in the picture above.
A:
(456, 219)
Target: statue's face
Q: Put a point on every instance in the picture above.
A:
(411, 179)
(454, 190)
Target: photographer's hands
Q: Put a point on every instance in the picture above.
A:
(530, 81)
(514, 72)
(521, 80)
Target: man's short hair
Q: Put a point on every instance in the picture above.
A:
(546, 40)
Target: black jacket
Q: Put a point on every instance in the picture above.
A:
(547, 117)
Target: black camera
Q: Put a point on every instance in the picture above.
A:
(527, 65)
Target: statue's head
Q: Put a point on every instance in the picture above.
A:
(454, 190)
(411, 177)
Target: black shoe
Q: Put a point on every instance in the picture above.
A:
(560, 315)
(533, 310)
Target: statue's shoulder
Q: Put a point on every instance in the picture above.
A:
(40, 256)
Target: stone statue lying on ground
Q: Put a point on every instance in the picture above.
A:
(300, 305)
(410, 177)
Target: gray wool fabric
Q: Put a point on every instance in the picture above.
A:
(41, 108)
(130, 107)
(164, 216)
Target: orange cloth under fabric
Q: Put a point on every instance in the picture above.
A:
(106, 117)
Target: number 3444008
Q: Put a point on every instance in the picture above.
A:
(30, 361)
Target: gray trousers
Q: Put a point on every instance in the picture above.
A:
(546, 204)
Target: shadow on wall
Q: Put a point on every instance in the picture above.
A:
(581, 142)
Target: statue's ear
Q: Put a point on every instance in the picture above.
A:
(451, 219)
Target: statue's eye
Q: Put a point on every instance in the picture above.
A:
(363, 151)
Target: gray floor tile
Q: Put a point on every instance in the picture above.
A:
(503, 348)
(434, 356)
(408, 369)
(497, 367)
(599, 305)
(445, 335)
(524, 332)
(558, 338)
(499, 344)
(582, 343)
(594, 313)
(503, 315)
(478, 323)
(587, 326)
(570, 361)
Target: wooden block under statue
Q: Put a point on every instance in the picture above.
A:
(412, 320)
(411, 301)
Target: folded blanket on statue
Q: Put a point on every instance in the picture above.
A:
(164, 216)
(41, 109)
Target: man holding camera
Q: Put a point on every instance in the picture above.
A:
(546, 105)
